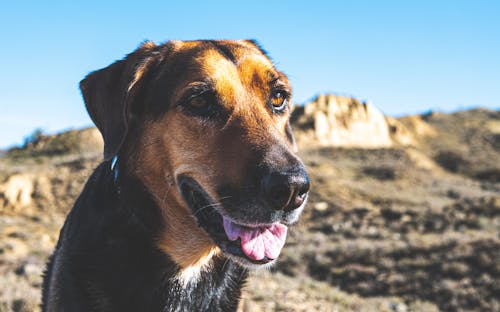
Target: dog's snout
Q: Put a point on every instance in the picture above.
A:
(285, 190)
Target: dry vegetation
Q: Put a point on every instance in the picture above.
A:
(405, 228)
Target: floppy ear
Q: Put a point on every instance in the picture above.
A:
(108, 93)
(290, 137)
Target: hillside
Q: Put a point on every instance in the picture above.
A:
(404, 214)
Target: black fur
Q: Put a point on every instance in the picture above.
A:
(224, 50)
(106, 260)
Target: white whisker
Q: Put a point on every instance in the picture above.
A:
(213, 205)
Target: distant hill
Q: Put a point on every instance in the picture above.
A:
(341, 121)
(64, 143)
(466, 142)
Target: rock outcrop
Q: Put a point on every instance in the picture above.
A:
(347, 122)
(16, 191)
(59, 165)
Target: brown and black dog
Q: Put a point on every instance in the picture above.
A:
(199, 181)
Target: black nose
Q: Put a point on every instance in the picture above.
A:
(285, 190)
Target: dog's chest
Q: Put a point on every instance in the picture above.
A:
(215, 289)
(150, 288)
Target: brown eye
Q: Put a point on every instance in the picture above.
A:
(201, 104)
(198, 102)
(279, 100)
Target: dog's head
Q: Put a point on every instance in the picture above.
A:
(204, 126)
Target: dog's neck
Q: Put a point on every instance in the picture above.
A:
(180, 237)
(213, 275)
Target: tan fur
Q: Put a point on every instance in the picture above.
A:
(180, 144)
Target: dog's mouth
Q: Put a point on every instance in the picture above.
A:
(248, 244)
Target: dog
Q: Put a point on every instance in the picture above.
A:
(199, 182)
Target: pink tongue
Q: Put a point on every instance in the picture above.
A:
(258, 242)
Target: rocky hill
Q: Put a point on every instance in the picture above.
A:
(341, 121)
(404, 214)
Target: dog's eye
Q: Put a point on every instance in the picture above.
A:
(279, 100)
(200, 104)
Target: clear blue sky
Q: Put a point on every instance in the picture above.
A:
(405, 57)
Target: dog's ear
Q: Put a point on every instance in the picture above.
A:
(108, 93)
(290, 137)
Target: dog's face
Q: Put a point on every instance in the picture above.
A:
(204, 125)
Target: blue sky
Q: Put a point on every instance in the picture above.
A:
(405, 57)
